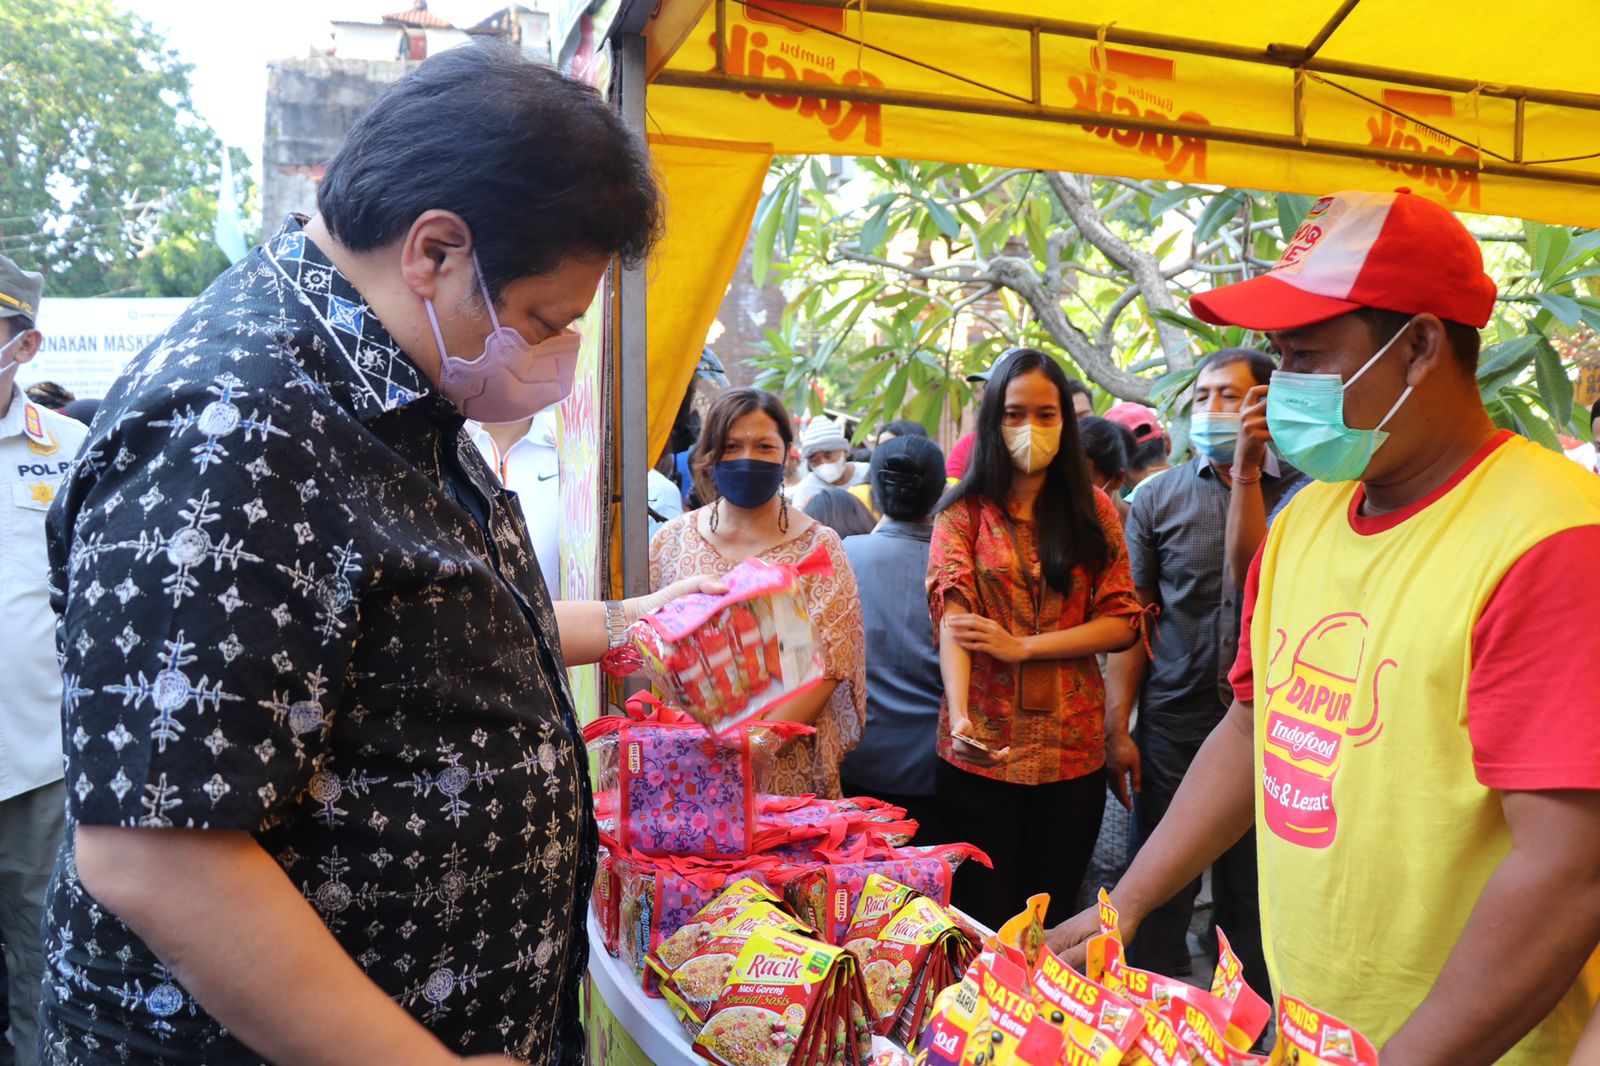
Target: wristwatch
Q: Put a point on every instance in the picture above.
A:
(616, 624)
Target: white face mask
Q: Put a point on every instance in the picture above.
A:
(1032, 446)
(830, 472)
(9, 363)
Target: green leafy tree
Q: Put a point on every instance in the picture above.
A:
(107, 175)
(912, 274)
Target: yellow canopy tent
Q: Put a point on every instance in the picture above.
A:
(1483, 106)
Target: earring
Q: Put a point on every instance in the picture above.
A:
(783, 513)
(716, 512)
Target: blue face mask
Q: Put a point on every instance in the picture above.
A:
(1215, 434)
(747, 483)
(1305, 413)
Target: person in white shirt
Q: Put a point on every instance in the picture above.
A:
(523, 455)
(36, 448)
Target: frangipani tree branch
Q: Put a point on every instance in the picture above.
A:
(1074, 193)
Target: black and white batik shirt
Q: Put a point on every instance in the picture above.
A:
(294, 602)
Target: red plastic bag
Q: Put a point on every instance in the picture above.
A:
(796, 832)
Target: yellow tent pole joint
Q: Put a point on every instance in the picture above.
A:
(1522, 107)
(1300, 104)
(1035, 66)
(1304, 55)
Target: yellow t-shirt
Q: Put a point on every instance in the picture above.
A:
(863, 492)
(1374, 835)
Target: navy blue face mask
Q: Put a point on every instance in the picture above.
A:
(747, 483)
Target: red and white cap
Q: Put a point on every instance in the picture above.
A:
(1136, 418)
(1390, 251)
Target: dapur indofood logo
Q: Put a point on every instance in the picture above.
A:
(1313, 717)
(1310, 231)
(1120, 82)
(1391, 129)
(784, 53)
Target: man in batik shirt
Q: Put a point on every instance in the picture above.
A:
(327, 802)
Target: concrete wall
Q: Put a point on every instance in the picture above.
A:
(311, 101)
(357, 41)
(444, 40)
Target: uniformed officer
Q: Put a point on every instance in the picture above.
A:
(36, 448)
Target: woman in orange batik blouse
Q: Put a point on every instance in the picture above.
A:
(1028, 580)
(739, 465)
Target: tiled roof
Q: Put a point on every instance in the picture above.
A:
(420, 16)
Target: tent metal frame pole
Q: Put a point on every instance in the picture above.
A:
(632, 363)
(1274, 55)
(1328, 28)
(1114, 121)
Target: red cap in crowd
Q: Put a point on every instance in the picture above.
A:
(1390, 251)
(1137, 419)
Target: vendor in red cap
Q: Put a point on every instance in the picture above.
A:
(1422, 772)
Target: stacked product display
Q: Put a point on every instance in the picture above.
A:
(798, 931)
(684, 814)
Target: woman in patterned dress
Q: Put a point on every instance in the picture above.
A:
(738, 465)
(1027, 580)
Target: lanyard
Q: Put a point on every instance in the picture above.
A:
(1031, 576)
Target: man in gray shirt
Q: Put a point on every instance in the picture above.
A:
(896, 758)
(1175, 536)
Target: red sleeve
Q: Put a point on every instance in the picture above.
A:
(1243, 675)
(955, 464)
(952, 567)
(1533, 710)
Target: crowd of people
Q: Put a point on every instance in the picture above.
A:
(289, 765)
(986, 625)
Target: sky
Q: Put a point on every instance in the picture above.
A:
(230, 54)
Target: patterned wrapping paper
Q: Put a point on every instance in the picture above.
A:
(680, 790)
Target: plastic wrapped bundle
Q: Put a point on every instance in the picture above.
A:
(656, 897)
(732, 658)
(825, 895)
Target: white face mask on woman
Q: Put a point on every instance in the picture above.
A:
(1032, 446)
